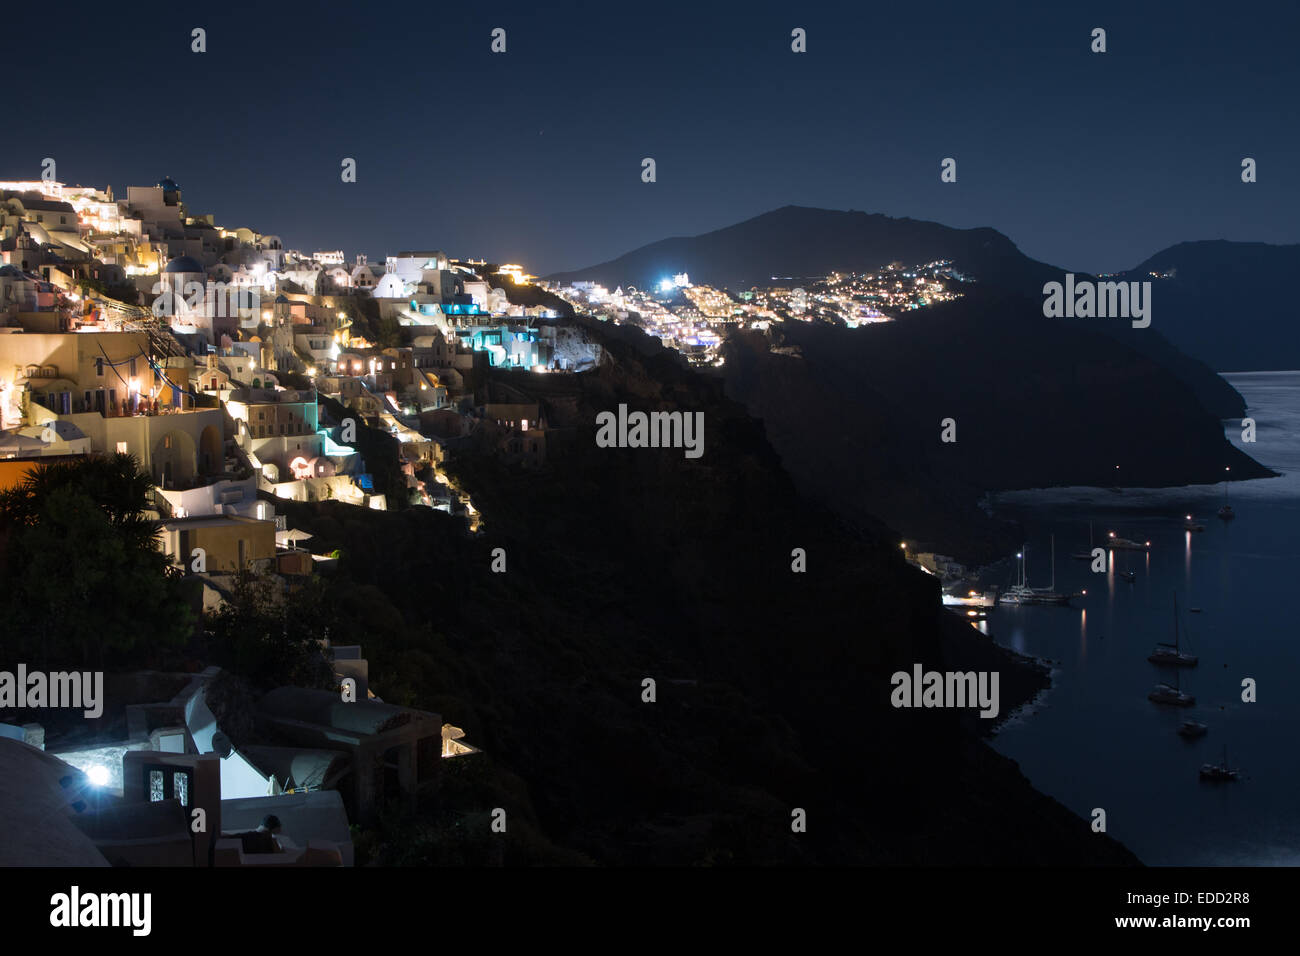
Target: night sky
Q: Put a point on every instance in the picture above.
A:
(1087, 161)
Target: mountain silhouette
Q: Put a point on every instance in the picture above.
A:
(1039, 402)
(1229, 304)
(799, 241)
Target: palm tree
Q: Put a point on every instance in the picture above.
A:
(115, 483)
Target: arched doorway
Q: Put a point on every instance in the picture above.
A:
(172, 464)
(211, 458)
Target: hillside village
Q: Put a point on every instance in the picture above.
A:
(241, 376)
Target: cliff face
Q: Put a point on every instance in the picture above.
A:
(772, 686)
(801, 241)
(1241, 284)
(1229, 304)
(857, 415)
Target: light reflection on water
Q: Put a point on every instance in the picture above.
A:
(1101, 743)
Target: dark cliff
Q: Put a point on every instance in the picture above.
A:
(1037, 403)
(800, 243)
(773, 686)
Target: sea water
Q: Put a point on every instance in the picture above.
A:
(1094, 740)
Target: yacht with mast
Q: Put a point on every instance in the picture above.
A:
(1085, 555)
(1220, 771)
(1172, 654)
(1124, 572)
(1171, 694)
(1021, 593)
(1226, 512)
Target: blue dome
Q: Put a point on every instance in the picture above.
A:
(185, 264)
(169, 185)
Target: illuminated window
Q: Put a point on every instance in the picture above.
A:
(168, 783)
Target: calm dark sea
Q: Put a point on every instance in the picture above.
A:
(1094, 740)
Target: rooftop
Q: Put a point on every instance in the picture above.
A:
(326, 709)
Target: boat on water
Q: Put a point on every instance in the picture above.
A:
(1116, 543)
(1192, 728)
(1085, 555)
(1172, 654)
(1128, 576)
(1226, 512)
(970, 599)
(1022, 594)
(1220, 771)
(1026, 595)
(1171, 694)
(1191, 524)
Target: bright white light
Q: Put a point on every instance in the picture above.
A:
(98, 776)
(666, 285)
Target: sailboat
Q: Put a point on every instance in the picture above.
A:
(1171, 654)
(1226, 512)
(1166, 694)
(1191, 524)
(1085, 555)
(1220, 771)
(1021, 593)
(1126, 574)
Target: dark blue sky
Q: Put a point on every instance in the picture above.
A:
(1086, 161)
